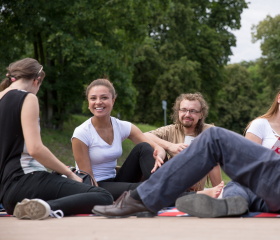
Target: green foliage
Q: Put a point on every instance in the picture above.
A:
(268, 32)
(76, 41)
(263, 95)
(150, 50)
(236, 99)
(188, 47)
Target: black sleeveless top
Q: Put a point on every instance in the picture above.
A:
(14, 158)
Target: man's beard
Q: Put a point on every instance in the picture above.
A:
(187, 124)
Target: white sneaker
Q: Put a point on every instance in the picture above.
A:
(32, 209)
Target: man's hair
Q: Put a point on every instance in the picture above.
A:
(191, 97)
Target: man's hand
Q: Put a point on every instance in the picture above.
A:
(174, 149)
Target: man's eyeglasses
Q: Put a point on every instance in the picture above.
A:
(191, 111)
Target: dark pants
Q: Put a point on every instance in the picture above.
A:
(70, 196)
(255, 203)
(137, 167)
(250, 164)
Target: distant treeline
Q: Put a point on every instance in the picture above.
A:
(151, 51)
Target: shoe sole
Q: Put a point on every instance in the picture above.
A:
(203, 206)
(32, 209)
(138, 215)
(145, 214)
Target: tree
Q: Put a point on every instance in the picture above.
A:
(77, 42)
(150, 50)
(236, 99)
(191, 41)
(268, 32)
(263, 97)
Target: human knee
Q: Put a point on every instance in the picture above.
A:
(144, 145)
(106, 196)
(108, 199)
(215, 133)
(209, 132)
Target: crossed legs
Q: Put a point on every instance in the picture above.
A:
(245, 162)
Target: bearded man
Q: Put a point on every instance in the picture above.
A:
(189, 113)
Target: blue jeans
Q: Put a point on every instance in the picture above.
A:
(255, 203)
(250, 164)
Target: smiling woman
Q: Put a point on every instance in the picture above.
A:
(97, 144)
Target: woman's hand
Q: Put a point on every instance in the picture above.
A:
(94, 182)
(73, 176)
(159, 156)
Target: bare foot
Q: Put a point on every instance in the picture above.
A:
(213, 192)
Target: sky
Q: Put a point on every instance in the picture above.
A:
(257, 11)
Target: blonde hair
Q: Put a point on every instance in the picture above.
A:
(273, 110)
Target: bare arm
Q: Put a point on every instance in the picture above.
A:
(136, 136)
(33, 141)
(253, 138)
(215, 176)
(172, 148)
(164, 144)
(81, 155)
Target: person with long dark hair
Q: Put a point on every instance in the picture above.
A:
(28, 190)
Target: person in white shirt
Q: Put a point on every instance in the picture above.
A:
(263, 130)
(97, 144)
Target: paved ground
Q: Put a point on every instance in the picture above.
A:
(158, 228)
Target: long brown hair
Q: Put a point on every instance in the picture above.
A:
(273, 110)
(27, 68)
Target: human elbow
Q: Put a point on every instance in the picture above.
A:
(34, 150)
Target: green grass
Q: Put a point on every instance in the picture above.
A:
(59, 142)
(128, 145)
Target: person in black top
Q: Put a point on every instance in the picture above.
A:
(28, 190)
